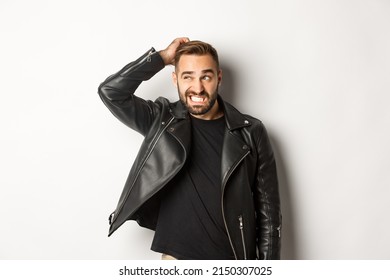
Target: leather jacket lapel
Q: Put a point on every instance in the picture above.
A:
(233, 152)
(181, 131)
(234, 147)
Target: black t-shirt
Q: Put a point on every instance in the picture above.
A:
(190, 224)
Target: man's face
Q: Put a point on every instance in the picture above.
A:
(197, 78)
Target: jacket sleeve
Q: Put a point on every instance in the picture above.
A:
(267, 201)
(117, 92)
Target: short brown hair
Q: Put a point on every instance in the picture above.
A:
(197, 48)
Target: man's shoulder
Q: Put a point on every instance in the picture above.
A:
(162, 100)
(254, 121)
(165, 101)
(175, 108)
(251, 121)
(164, 104)
(256, 127)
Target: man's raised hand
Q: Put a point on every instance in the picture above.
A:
(168, 55)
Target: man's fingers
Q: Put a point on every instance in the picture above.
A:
(177, 42)
(169, 53)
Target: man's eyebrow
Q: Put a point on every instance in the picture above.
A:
(208, 71)
(187, 73)
(192, 72)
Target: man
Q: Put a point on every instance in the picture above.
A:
(205, 177)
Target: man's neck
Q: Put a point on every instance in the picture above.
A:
(214, 113)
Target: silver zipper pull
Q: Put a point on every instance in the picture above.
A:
(241, 223)
(242, 235)
(149, 58)
(278, 229)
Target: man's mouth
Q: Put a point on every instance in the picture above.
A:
(197, 98)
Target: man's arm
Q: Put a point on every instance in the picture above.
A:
(117, 91)
(269, 219)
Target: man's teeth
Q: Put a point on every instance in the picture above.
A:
(197, 99)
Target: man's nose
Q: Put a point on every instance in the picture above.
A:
(197, 86)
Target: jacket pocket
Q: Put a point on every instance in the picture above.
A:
(241, 224)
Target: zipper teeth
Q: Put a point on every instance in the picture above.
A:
(223, 211)
(242, 235)
(227, 230)
(142, 60)
(149, 57)
(143, 163)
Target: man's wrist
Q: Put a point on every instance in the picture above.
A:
(164, 57)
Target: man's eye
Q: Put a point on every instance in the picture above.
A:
(206, 78)
(186, 77)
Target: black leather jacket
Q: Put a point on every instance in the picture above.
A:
(250, 197)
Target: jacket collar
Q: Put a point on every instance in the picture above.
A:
(234, 119)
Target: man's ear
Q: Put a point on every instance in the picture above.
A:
(174, 78)
(219, 76)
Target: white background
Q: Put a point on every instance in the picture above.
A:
(316, 72)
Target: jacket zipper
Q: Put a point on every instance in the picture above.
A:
(154, 141)
(242, 234)
(223, 193)
(147, 57)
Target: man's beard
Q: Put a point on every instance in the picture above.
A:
(199, 109)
